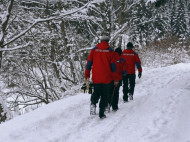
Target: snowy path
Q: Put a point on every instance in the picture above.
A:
(159, 113)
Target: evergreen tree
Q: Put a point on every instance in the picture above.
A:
(180, 19)
(140, 24)
(159, 24)
(160, 3)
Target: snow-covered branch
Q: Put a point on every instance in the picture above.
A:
(124, 27)
(4, 24)
(44, 20)
(16, 47)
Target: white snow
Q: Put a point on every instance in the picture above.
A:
(158, 113)
(151, 1)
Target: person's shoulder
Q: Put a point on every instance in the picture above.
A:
(123, 52)
(94, 48)
(110, 49)
(132, 51)
(126, 51)
(135, 53)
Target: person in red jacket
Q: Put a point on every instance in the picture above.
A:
(120, 71)
(132, 60)
(101, 61)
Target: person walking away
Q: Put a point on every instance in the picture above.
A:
(132, 59)
(101, 61)
(119, 65)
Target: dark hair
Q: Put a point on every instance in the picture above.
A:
(118, 50)
(129, 45)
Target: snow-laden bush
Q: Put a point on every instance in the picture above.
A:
(165, 52)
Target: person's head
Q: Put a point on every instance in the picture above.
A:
(105, 38)
(130, 45)
(118, 50)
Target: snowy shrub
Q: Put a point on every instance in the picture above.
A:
(165, 52)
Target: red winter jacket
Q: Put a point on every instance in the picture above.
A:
(101, 61)
(132, 59)
(120, 68)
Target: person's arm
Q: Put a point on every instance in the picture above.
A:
(138, 65)
(114, 69)
(89, 66)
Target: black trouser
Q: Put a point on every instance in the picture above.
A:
(128, 85)
(115, 97)
(101, 91)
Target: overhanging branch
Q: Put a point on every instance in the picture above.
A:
(44, 20)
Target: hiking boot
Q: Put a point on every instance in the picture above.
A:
(115, 108)
(125, 98)
(107, 109)
(92, 109)
(130, 96)
(101, 114)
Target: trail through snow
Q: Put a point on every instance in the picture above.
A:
(159, 113)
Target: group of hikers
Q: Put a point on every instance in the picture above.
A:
(109, 69)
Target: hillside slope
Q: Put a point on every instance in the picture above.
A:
(158, 113)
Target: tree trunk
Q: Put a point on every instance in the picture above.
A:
(121, 17)
(3, 29)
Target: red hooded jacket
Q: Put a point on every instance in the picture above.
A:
(132, 59)
(101, 61)
(120, 68)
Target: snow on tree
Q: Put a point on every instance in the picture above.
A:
(180, 19)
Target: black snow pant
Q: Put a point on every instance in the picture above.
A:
(128, 85)
(101, 92)
(115, 97)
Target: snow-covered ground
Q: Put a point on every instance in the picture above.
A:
(159, 113)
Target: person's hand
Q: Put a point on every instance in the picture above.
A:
(87, 80)
(140, 74)
(116, 83)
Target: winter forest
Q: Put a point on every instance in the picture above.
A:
(44, 44)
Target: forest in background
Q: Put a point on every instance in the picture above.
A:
(44, 44)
